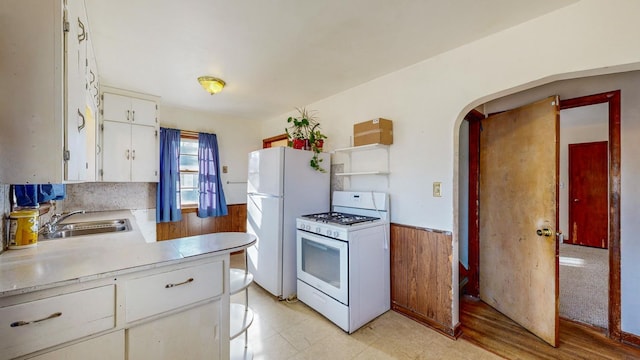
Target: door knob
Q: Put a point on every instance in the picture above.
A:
(576, 200)
(544, 232)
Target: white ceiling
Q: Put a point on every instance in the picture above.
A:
(279, 54)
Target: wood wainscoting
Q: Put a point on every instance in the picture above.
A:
(191, 224)
(421, 276)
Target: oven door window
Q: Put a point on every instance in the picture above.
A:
(321, 261)
(323, 264)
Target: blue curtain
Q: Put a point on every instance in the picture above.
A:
(167, 198)
(212, 201)
(32, 194)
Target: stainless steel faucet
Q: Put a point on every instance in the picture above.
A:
(52, 225)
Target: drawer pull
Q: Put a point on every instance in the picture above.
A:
(178, 284)
(23, 323)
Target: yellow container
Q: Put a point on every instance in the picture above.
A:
(23, 228)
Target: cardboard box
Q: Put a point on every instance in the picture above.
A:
(376, 131)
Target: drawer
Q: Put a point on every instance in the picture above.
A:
(155, 294)
(35, 325)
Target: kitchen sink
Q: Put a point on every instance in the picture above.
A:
(89, 228)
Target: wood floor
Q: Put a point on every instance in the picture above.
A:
(489, 329)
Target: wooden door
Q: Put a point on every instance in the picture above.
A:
(588, 194)
(517, 198)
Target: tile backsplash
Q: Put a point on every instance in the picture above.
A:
(337, 182)
(109, 196)
(5, 209)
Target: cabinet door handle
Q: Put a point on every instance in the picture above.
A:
(133, 154)
(133, 117)
(128, 115)
(178, 284)
(82, 124)
(127, 155)
(82, 36)
(23, 323)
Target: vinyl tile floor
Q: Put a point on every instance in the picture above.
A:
(292, 330)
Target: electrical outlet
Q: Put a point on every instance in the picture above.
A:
(225, 169)
(437, 189)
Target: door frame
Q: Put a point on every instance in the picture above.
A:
(613, 100)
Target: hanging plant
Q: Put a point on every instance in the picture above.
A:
(316, 139)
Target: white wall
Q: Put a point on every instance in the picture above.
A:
(577, 125)
(427, 101)
(236, 138)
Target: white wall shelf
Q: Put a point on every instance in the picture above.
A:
(363, 173)
(381, 169)
(363, 148)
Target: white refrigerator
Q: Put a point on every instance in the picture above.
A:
(281, 186)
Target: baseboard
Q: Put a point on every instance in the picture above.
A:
(599, 329)
(631, 339)
(444, 330)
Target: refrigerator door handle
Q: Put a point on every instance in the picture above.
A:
(264, 195)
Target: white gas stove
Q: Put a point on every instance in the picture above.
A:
(351, 211)
(343, 259)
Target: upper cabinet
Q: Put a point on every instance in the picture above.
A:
(129, 109)
(48, 118)
(129, 135)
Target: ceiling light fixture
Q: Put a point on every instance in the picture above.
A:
(212, 84)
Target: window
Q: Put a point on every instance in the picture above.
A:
(189, 190)
(278, 140)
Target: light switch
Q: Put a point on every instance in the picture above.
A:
(437, 189)
(225, 169)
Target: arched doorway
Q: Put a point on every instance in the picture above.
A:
(611, 98)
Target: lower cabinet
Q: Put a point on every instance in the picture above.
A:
(190, 334)
(105, 347)
(29, 325)
(177, 311)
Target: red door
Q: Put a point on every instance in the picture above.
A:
(588, 194)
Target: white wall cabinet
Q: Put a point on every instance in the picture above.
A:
(130, 130)
(42, 93)
(129, 109)
(92, 95)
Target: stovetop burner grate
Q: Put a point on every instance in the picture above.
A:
(340, 218)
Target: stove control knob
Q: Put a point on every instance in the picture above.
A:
(318, 230)
(336, 233)
(301, 226)
(328, 232)
(307, 227)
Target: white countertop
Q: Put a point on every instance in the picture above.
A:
(66, 261)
